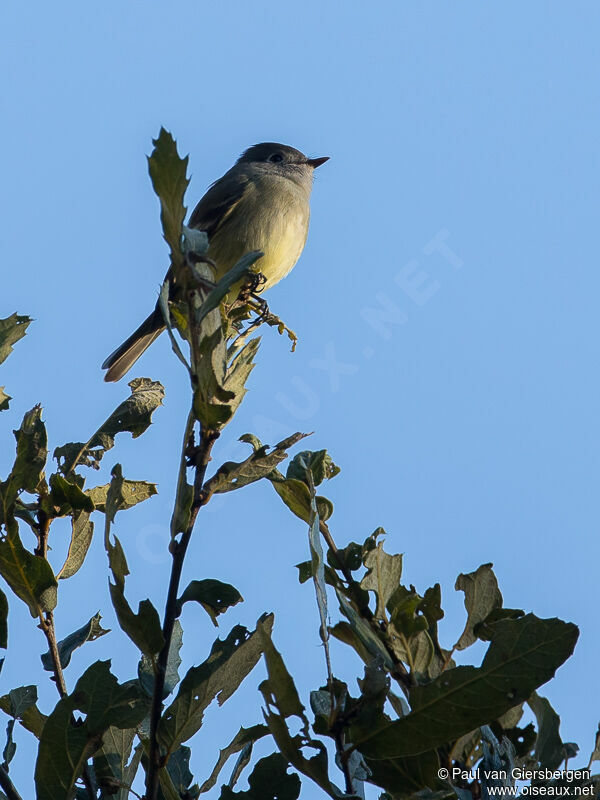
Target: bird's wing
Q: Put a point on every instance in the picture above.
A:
(218, 202)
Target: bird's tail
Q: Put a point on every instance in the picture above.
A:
(125, 356)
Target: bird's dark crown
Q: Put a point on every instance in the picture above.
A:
(273, 152)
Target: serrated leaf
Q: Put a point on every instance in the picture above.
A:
(146, 665)
(214, 596)
(65, 747)
(383, 576)
(30, 577)
(87, 633)
(482, 595)
(82, 531)
(12, 329)
(243, 738)
(269, 780)
(230, 661)
(234, 275)
(233, 475)
(66, 497)
(168, 172)
(132, 493)
(523, 654)
(133, 415)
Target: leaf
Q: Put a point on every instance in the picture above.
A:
(168, 174)
(369, 640)
(110, 762)
(4, 399)
(87, 633)
(144, 628)
(132, 493)
(134, 415)
(237, 273)
(146, 665)
(318, 567)
(269, 780)
(383, 577)
(82, 530)
(243, 738)
(482, 595)
(319, 463)
(282, 701)
(230, 661)
(549, 748)
(10, 747)
(12, 329)
(214, 596)
(523, 654)
(66, 497)
(233, 475)
(21, 704)
(178, 768)
(65, 747)
(30, 577)
(28, 467)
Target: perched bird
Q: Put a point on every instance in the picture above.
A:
(261, 203)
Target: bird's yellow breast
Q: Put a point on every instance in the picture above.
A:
(272, 216)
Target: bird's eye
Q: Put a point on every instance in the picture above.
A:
(276, 158)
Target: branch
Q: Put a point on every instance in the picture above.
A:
(7, 786)
(200, 457)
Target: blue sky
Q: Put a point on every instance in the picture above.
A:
(466, 425)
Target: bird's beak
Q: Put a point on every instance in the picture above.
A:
(316, 162)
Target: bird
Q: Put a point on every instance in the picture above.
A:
(261, 203)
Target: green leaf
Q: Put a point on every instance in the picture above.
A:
(243, 738)
(233, 475)
(294, 493)
(65, 498)
(21, 704)
(144, 628)
(230, 661)
(178, 768)
(65, 747)
(87, 633)
(30, 577)
(132, 493)
(319, 463)
(369, 640)
(214, 596)
(269, 780)
(82, 530)
(383, 577)
(523, 654)
(133, 415)
(482, 595)
(12, 329)
(28, 468)
(549, 748)
(317, 566)
(282, 701)
(169, 179)
(236, 274)
(111, 761)
(147, 665)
